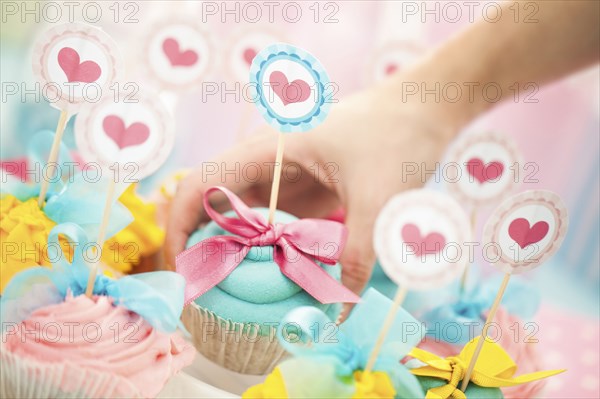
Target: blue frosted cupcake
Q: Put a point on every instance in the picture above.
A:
(234, 323)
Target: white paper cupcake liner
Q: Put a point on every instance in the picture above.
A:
(235, 346)
(22, 377)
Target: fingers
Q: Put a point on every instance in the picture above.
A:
(187, 210)
(358, 257)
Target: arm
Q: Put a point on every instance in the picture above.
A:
(371, 136)
(565, 38)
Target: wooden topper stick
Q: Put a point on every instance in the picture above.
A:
(387, 324)
(54, 152)
(101, 236)
(276, 177)
(488, 321)
(465, 276)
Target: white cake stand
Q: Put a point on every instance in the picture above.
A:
(205, 379)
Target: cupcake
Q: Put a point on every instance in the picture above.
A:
(72, 197)
(459, 320)
(526, 355)
(494, 369)
(333, 365)
(238, 291)
(473, 391)
(24, 230)
(133, 240)
(120, 342)
(88, 347)
(24, 226)
(318, 378)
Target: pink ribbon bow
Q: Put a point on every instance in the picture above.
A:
(295, 245)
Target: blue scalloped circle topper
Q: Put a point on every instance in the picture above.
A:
(290, 87)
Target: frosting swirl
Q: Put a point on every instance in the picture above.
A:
(93, 333)
(256, 291)
(24, 228)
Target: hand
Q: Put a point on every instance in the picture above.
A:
(359, 151)
(371, 137)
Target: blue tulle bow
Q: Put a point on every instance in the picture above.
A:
(350, 345)
(38, 149)
(156, 296)
(77, 198)
(457, 322)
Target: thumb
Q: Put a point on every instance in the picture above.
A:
(358, 257)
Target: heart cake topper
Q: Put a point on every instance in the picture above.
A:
(177, 54)
(133, 135)
(292, 89)
(525, 230)
(136, 133)
(76, 64)
(422, 245)
(74, 69)
(243, 47)
(393, 57)
(420, 238)
(480, 168)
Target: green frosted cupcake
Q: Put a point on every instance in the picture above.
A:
(473, 391)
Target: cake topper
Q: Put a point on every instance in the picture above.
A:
(419, 239)
(293, 93)
(522, 233)
(177, 54)
(483, 163)
(75, 64)
(132, 136)
(482, 172)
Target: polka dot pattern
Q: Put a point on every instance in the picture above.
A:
(570, 342)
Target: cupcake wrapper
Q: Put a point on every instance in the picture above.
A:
(236, 346)
(22, 377)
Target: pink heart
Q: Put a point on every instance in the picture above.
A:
(431, 244)
(249, 55)
(390, 69)
(524, 235)
(176, 56)
(136, 134)
(483, 173)
(296, 92)
(86, 72)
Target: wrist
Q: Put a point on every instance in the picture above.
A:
(450, 100)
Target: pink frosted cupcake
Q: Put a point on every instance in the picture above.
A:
(121, 341)
(88, 347)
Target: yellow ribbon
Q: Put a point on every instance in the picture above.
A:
(141, 238)
(24, 230)
(373, 385)
(494, 369)
(272, 388)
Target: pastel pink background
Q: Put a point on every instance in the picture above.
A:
(560, 133)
